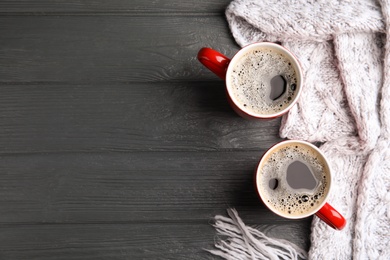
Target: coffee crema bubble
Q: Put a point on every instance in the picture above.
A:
(304, 190)
(264, 81)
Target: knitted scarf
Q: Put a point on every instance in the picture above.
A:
(344, 50)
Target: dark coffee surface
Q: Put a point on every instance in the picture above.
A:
(278, 87)
(300, 176)
(273, 183)
(262, 80)
(293, 179)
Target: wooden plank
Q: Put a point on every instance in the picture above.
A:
(122, 241)
(130, 187)
(96, 49)
(181, 116)
(115, 143)
(116, 6)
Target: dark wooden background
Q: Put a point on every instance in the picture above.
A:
(115, 143)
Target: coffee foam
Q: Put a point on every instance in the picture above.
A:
(284, 199)
(251, 80)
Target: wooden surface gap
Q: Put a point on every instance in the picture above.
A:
(172, 82)
(130, 13)
(146, 151)
(113, 6)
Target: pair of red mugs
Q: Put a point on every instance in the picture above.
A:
(263, 81)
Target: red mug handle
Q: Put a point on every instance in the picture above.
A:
(214, 61)
(331, 217)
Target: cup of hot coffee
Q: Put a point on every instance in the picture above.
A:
(294, 179)
(263, 80)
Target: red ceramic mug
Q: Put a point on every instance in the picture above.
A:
(293, 179)
(263, 80)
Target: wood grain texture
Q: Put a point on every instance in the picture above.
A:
(129, 187)
(83, 206)
(96, 49)
(115, 143)
(123, 241)
(182, 116)
(114, 6)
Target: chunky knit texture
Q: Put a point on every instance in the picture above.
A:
(344, 50)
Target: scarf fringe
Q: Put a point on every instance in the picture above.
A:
(244, 242)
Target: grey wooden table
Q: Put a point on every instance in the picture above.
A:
(115, 143)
